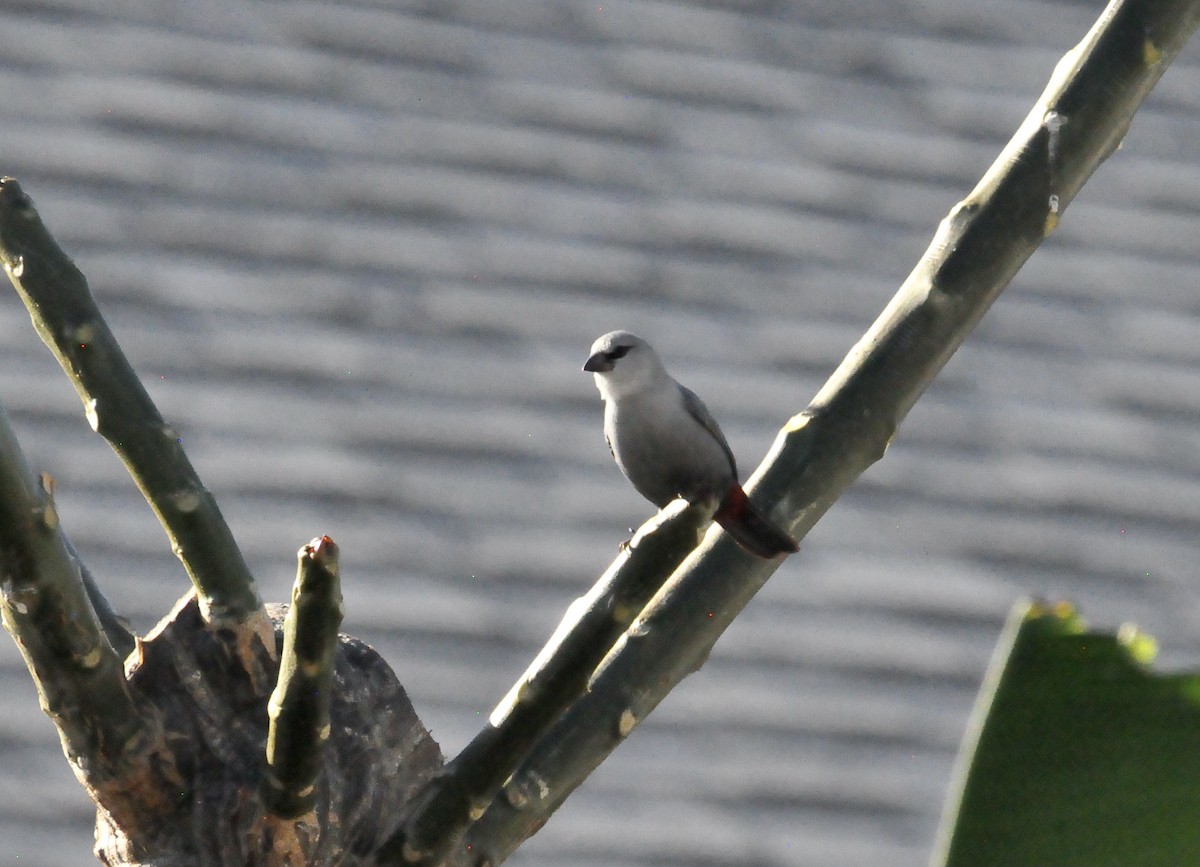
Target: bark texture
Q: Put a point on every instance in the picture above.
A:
(197, 785)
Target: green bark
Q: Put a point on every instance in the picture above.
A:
(45, 606)
(299, 706)
(1075, 125)
(118, 408)
(557, 677)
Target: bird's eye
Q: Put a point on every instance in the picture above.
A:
(617, 352)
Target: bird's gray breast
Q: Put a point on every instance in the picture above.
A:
(664, 450)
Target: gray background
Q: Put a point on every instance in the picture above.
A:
(358, 253)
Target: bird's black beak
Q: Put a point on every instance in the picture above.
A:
(598, 363)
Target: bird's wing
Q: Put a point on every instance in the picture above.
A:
(697, 410)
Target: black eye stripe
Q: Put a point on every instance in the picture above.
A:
(616, 352)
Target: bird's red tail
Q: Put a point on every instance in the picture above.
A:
(751, 528)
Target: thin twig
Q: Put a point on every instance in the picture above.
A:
(116, 628)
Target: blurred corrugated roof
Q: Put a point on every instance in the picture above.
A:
(358, 252)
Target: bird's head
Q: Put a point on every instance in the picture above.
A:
(623, 364)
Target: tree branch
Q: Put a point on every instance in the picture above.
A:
(1076, 124)
(556, 678)
(116, 628)
(299, 706)
(45, 607)
(119, 409)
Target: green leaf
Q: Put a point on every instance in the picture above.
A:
(1077, 754)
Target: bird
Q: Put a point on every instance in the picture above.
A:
(668, 445)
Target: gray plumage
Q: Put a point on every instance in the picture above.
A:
(667, 443)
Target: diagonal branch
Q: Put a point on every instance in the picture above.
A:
(557, 677)
(1075, 125)
(45, 606)
(120, 410)
(116, 628)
